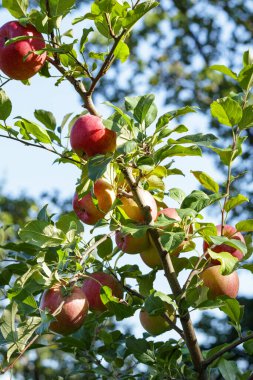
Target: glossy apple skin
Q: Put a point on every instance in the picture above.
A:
(133, 211)
(131, 244)
(89, 137)
(12, 61)
(156, 324)
(232, 233)
(87, 211)
(92, 285)
(218, 284)
(151, 257)
(73, 312)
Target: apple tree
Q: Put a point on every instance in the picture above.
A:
(62, 288)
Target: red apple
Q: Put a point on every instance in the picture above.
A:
(132, 209)
(89, 137)
(15, 60)
(131, 244)
(218, 284)
(156, 324)
(231, 233)
(73, 308)
(92, 286)
(87, 211)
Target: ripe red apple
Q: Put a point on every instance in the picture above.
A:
(87, 211)
(151, 257)
(131, 244)
(92, 286)
(89, 137)
(218, 284)
(231, 233)
(132, 209)
(73, 308)
(12, 57)
(156, 324)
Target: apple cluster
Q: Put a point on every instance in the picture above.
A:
(22, 58)
(70, 304)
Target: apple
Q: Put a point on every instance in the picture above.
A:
(89, 137)
(87, 211)
(151, 257)
(130, 244)
(133, 211)
(156, 324)
(73, 308)
(92, 286)
(218, 284)
(231, 233)
(18, 59)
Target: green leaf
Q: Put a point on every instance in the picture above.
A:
(46, 118)
(136, 346)
(177, 150)
(136, 14)
(171, 240)
(206, 181)
(155, 303)
(146, 283)
(17, 8)
(198, 139)
(99, 56)
(97, 166)
(120, 309)
(105, 248)
(237, 244)
(66, 220)
(227, 111)
(59, 7)
(245, 77)
(233, 310)
(197, 201)
(41, 234)
(228, 262)
(224, 154)
(177, 194)
(122, 51)
(84, 38)
(167, 117)
(225, 70)
(247, 118)
(5, 105)
(245, 225)
(235, 201)
(228, 369)
(28, 128)
(248, 346)
(143, 107)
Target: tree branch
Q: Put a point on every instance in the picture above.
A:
(107, 63)
(24, 142)
(189, 332)
(232, 345)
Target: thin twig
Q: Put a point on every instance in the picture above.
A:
(232, 345)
